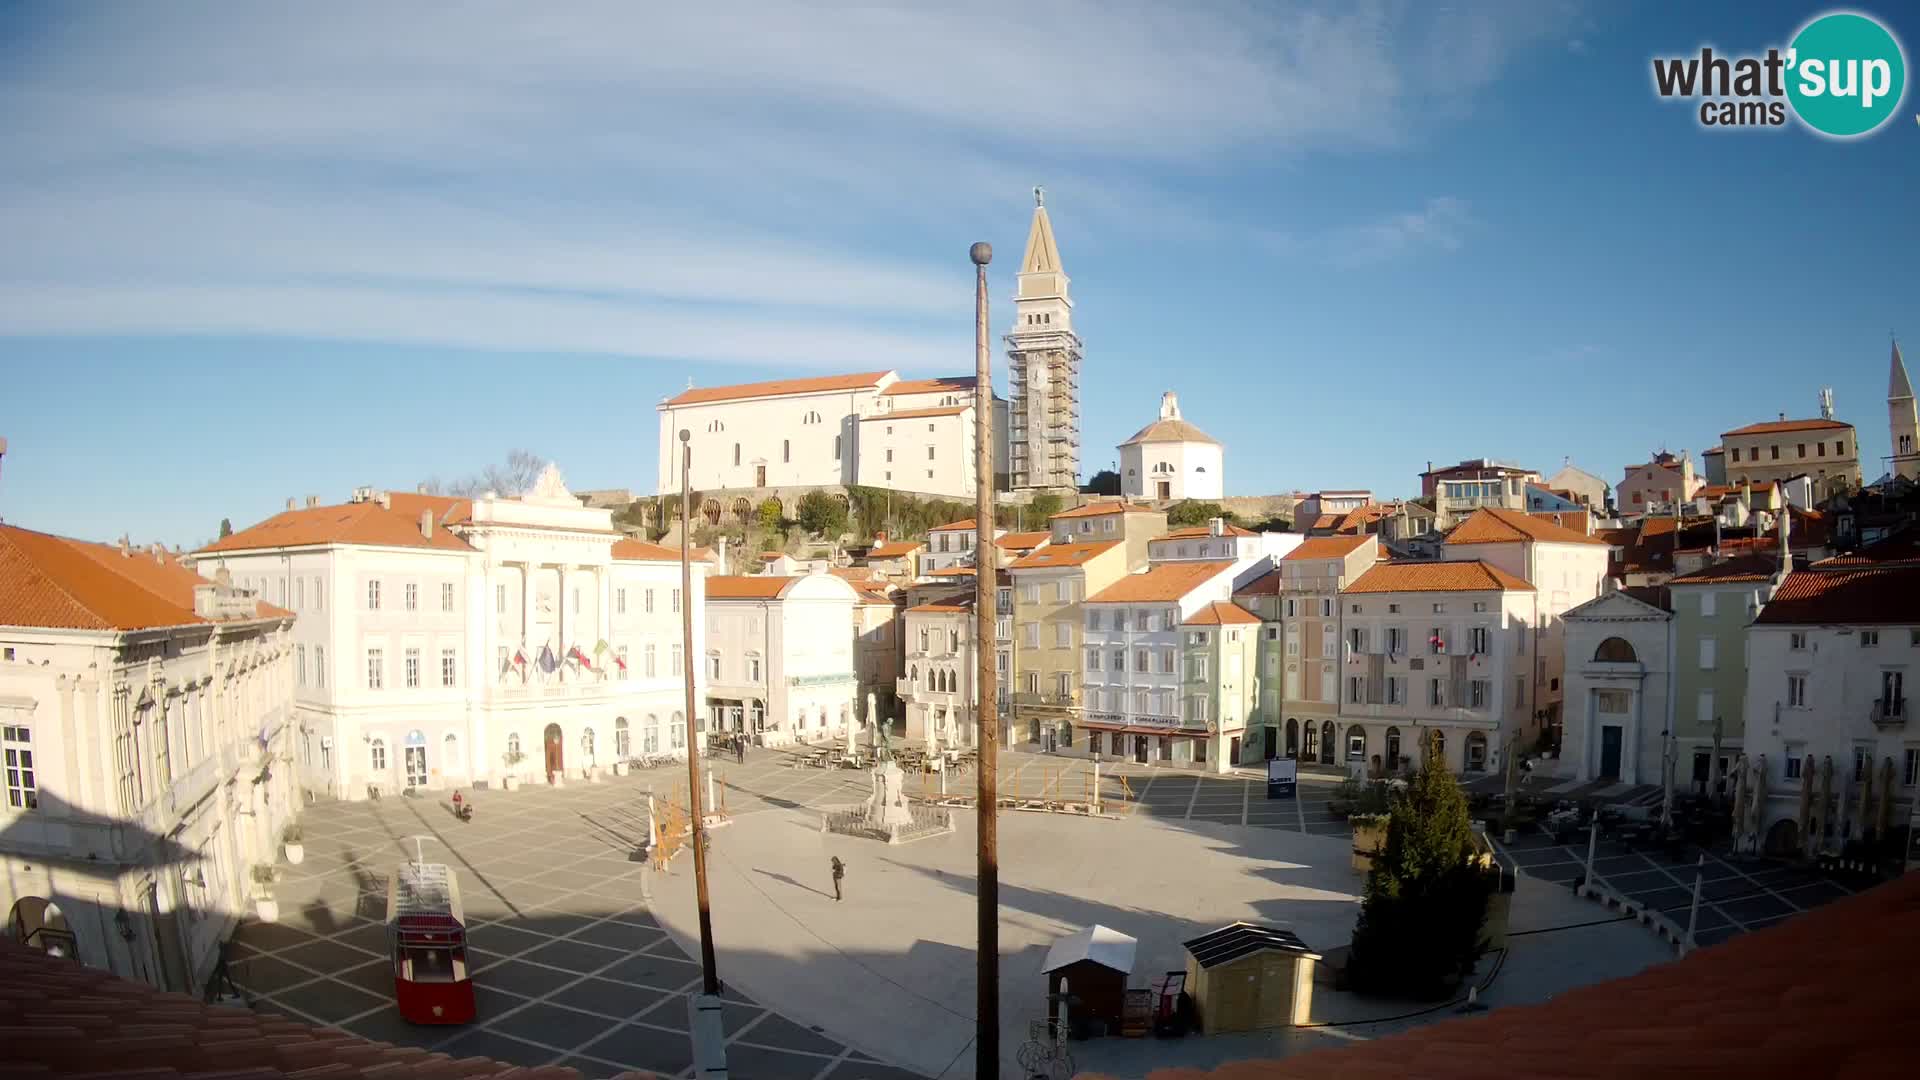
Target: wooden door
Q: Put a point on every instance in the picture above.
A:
(556, 753)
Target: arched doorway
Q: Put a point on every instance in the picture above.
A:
(38, 923)
(1393, 749)
(556, 753)
(1293, 737)
(414, 757)
(1783, 838)
(1329, 751)
(1356, 743)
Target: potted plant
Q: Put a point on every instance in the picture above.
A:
(292, 842)
(512, 758)
(619, 768)
(264, 905)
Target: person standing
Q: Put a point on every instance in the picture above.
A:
(740, 749)
(839, 871)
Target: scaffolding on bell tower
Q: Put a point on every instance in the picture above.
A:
(1043, 353)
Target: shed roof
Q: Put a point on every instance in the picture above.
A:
(1241, 939)
(1101, 944)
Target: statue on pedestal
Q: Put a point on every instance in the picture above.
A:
(887, 808)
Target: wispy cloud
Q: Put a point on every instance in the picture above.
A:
(750, 183)
(1440, 225)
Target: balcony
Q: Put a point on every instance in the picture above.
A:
(1888, 714)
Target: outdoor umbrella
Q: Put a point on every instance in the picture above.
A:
(1739, 797)
(1806, 804)
(1886, 799)
(1759, 799)
(1825, 816)
(1864, 814)
(855, 704)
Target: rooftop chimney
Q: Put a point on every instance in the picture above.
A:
(419, 489)
(1216, 527)
(1826, 403)
(1783, 416)
(290, 502)
(1785, 522)
(722, 547)
(125, 552)
(313, 501)
(386, 500)
(160, 553)
(426, 524)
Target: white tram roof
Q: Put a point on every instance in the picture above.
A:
(424, 889)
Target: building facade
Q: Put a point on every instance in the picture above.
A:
(1823, 448)
(1137, 695)
(1619, 690)
(1171, 459)
(444, 641)
(1459, 490)
(1043, 356)
(1658, 486)
(1712, 608)
(1307, 590)
(1588, 490)
(151, 754)
(939, 687)
(779, 662)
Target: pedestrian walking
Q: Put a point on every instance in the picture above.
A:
(839, 871)
(740, 750)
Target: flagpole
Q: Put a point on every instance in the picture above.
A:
(709, 1038)
(985, 582)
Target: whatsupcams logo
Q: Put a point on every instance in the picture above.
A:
(1843, 75)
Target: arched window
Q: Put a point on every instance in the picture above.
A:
(650, 735)
(1393, 748)
(513, 744)
(677, 731)
(1356, 743)
(622, 739)
(1310, 750)
(38, 923)
(1437, 746)
(1329, 750)
(1615, 651)
(586, 742)
(1476, 752)
(450, 752)
(1293, 737)
(377, 755)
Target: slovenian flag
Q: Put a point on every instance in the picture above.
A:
(579, 657)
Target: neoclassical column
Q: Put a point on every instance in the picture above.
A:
(562, 615)
(526, 608)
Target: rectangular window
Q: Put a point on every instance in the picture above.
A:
(1396, 640)
(299, 593)
(676, 662)
(1840, 449)
(1290, 609)
(1519, 691)
(373, 595)
(299, 665)
(500, 599)
(1436, 641)
(1796, 691)
(786, 450)
(1707, 603)
(576, 601)
(1062, 635)
(1820, 449)
(713, 667)
(1797, 641)
(1736, 453)
(1093, 659)
(412, 662)
(500, 660)
(1439, 609)
(1869, 639)
(1326, 608)
(753, 669)
(1197, 669)
(16, 749)
(449, 670)
(1356, 689)
(446, 596)
(1709, 648)
(320, 667)
(736, 453)
(1093, 618)
(1480, 693)
(646, 601)
(1704, 708)
(1395, 688)
(1480, 641)
(1479, 606)
(1357, 640)
(676, 601)
(376, 669)
(1802, 449)
(412, 594)
(1032, 634)
(1910, 767)
(1773, 452)
(1436, 693)
(619, 601)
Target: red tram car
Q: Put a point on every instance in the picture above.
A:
(428, 935)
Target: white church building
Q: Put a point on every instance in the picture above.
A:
(1171, 459)
(440, 641)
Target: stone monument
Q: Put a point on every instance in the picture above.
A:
(887, 809)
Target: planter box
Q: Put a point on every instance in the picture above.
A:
(296, 853)
(267, 908)
(619, 768)
(509, 783)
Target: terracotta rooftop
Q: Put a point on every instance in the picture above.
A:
(1201, 532)
(1474, 576)
(1103, 507)
(1571, 520)
(755, 587)
(1022, 541)
(366, 523)
(910, 414)
(1162, 582)
(1848, 594)
(59, 583)
(1326, 547)
(1754, 568)
(952, 384)
(956, 526)
(865, 380)
(1171, 429)
(894, 549)
(1488, 525)
(1816, 996)
(946, 605)
(642, 551)
(1062, 555)
(1775, 426)
(1267, 584)
(1221, 613)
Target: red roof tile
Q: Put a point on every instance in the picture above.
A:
(1221, 613)
(1846, 595)
(756, 587)
(1267, 584)
(1022, 541)
(1474, 576)
(1162, 582)
(1755, 568)
(1775, 426)
(1062, 555)
(59, 583)
(1326, 547)
(366, 523)
(779, 388)
(951, 384)
(1103, 507)
(956, 526)
(1817, 996)
(894, 549)
(642, 551)
(1488, 525)
(912, 414)
(1201, 532)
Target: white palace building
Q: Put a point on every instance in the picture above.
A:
(441, 641)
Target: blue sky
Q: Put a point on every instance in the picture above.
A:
(248, 254)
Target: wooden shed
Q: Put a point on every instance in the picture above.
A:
(1245, 977)
(1092, 965)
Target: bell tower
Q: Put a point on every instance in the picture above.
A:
(1043, 353)
(1903, 421)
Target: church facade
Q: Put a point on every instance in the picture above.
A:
(1171, 459)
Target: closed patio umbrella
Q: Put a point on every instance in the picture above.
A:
(1806, 805)
(1739, 797)
(1886, 799)
(1864, 814)
(1824, 816)
(1759, 799)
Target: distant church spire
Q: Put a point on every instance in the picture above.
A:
(1043, 355)
(1897, 384)
(1903, 419)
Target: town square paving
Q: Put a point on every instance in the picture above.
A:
(582, 955)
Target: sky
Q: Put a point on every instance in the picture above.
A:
(252, 252)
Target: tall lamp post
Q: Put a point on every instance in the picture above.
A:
(709, 1038)
(986, 573)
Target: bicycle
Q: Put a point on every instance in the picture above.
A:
(1044, 1056)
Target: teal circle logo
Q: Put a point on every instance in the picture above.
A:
(1845, 75)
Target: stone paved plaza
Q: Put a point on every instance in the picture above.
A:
(581, 956)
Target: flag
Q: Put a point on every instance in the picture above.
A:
(547, 661)
(600, 647)
(621, 660)
(519, 658)
(579, 657)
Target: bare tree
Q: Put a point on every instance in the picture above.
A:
(512, 480)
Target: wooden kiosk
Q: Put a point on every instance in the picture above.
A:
(1245, 977)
